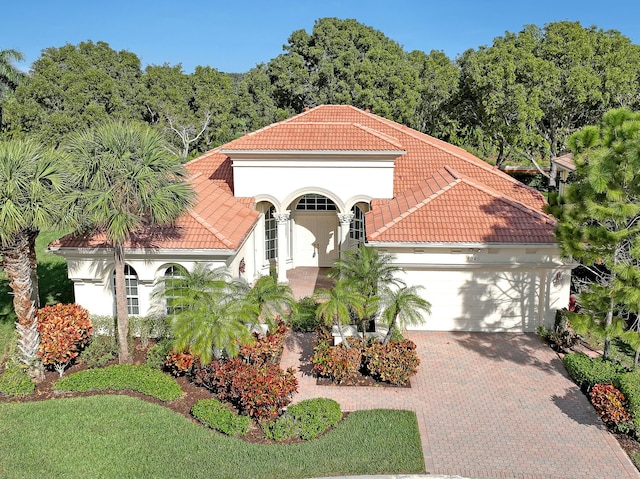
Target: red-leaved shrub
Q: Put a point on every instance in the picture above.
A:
(609, 402)
(178, 364)
(394, 363)
(337, 363)
(261, 392)
(266, 349)
(64, 330)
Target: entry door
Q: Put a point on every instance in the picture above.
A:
(316, 238)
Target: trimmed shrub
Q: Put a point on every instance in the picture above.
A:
(146, 327)
(303, 316)
(335, 362)
(142, 379)
(103, 325)
(609, 404)
(394, 363)
(265, 349)
(306, 420)
(629, 385)
(65, 329)
(212, 413)
(15, 381)
(258, 391)
(158, 353)
(99, 352)
(587, 372)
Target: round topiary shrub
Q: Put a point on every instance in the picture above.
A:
(306, 420)
(212, 413)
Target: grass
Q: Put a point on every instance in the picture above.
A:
(55, 287)
(620, 351)
(121, 436)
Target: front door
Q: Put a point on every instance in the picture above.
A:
(316, 237)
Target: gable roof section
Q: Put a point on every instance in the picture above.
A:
(315, 136)
(450, 208)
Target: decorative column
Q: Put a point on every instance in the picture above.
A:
(282, 219)
(345, 224)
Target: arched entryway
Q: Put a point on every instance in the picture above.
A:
(316, 234)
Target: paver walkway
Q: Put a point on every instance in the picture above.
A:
(489, 405)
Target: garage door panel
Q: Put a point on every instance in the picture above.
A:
(479, 300)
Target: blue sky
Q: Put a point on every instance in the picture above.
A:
(234, 36)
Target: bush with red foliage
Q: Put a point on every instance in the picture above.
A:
(394, 363)
(609, 403)
(337, 363)
(261, 392)
(266, 349)
(65, 329)
(178, 364)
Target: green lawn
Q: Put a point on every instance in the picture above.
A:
(54, 286)
(120, 436)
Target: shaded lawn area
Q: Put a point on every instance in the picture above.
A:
(55, 287)
(120, 436)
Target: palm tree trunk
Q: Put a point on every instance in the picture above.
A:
(392, 327)
(32, 234)
(15, 261)
(122, 313)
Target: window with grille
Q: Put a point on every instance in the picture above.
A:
(174, 277)
(270, 234)
(314, 202)
(356, 230)
(131, 288)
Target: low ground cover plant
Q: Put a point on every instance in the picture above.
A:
(65, 329)
(216, 415)
(305, 420)
(142, 379)
(587, 372)
(14, 380)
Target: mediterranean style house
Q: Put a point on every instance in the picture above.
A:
(301, 192)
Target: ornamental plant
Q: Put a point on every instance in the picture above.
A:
(609, 403)
(65, 329)
(337, 363)
(178, 363)
(395, 363)
(266, 349)
(261, 392)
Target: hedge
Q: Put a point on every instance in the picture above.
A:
(587, 372)
(306, 420)
(212, 413)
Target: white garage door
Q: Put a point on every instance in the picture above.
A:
(479, 300)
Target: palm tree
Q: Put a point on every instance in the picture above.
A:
(403, 307)
(128, 180)
(272, 299)
(10, 76)
(370, 272)
(210, 312)
(32, 186)
(336, 304)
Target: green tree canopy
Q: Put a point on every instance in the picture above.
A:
(599, 219)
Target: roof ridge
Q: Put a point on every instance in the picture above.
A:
(211, 229)
(383, 136)
(506, 199)
(417, 206)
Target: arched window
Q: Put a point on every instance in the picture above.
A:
(313, 202)
(270, 234)
(174, 277)
(131, 288)
(357, 229)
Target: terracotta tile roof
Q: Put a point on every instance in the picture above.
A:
(442, 193)
(450, 208)
(315, 136)
(566, 162)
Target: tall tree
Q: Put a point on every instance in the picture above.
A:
(32, 187)
(74, 87)
(599, 219)
(128, 180)
(10, 75)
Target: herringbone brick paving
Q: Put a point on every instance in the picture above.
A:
(489, 405)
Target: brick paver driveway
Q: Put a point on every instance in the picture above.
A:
(488, 405)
